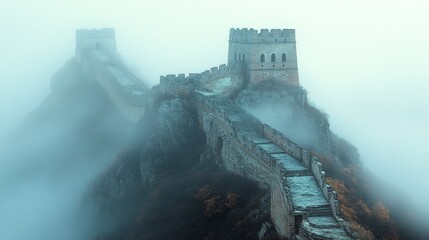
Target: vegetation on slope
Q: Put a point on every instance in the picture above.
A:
(373, 208)
(160, 190)
(201, 203)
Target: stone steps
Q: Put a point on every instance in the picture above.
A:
(324, 210)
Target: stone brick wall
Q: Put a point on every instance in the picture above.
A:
(130, 100)
(247, 45)
(310, 161)
(237, 140)
(90, 38)
(271, 73)
(223, 80)
(232, 137)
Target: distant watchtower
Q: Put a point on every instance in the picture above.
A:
(95, 38)
(268, 55)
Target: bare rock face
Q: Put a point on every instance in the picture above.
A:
(166, 133)
(176, 119)
(155, 180)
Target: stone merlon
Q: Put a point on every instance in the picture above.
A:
(264, 35)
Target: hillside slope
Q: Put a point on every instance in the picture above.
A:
(49, 160)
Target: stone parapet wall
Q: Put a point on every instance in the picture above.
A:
(312, 162)
(131, 100)
(263, 36)
(177, 85)
(184, 85)
(238, 138)
(132, 112)
(221, 71)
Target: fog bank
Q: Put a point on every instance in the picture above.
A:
(362, 62)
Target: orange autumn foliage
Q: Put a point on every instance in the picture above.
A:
(380, 212)
(214, 204)
(347, 212)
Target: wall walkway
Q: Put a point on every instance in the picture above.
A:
(302, 204)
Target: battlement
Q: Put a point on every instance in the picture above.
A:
(221, 71)
(213, 73)
(178, 85)
(95, 38)
(245, 35)
(95, 33)
(177, 78)
(222, 79)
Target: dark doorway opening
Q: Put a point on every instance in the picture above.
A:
(298, 221)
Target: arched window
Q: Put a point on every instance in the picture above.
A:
(284, 57)
(244, 59)
(273, 57)
(239, 57)
(235, 57)
(262, 58)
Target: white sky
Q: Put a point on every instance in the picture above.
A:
(364, 62)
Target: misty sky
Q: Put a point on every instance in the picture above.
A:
(365, 62)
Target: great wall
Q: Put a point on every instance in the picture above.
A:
(303, 205)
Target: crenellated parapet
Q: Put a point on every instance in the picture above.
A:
(178, 85)
(216, 72)
(222, 70)
(309, 160)
(221, 80)
(253, 56)
(263, 36)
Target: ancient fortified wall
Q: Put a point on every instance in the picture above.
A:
(303, 206)
(96, 52)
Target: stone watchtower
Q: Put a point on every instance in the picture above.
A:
(267, 55)
(95, 38)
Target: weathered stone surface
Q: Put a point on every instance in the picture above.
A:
(244, 145)
(235, 139)
(267, 54)
(166, 132)
(96, 53)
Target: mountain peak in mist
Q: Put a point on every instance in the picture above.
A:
(234, 152)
